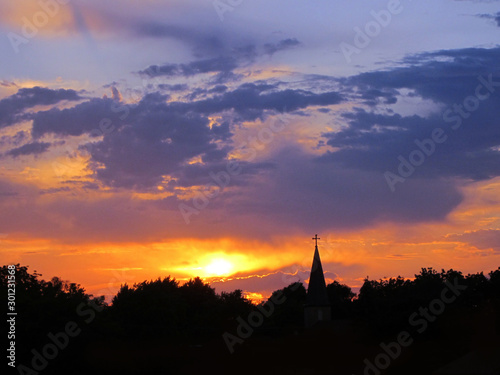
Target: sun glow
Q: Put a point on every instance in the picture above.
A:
(219, 267)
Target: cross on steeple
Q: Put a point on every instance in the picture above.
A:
(316, 238)
(317, 307)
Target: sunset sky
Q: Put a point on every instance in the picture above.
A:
(141, 139)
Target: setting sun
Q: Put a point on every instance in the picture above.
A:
(219, 267)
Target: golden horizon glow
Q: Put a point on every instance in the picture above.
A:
(347, 258)
(378, 251)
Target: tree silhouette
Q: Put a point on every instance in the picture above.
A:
(44, 307)
(163, 307)
(148, 308)
(235, 304)
(340, 297)
(289, 313)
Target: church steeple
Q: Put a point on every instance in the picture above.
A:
(317, 306)
(316, 291)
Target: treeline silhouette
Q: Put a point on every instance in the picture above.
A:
(163, 307)
(163, 310)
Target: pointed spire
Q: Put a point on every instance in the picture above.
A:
(316, 291)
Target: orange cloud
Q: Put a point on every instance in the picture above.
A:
(38, 18)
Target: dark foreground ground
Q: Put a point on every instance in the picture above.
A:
(330, 349)
(339, 347)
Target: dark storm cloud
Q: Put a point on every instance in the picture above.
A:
(173, 88)
(324, 110)
(92, 117)
(374, 97)
(157, 140)
(153, 145)
(219, 89)
(272, 48)
(443, 76)
(33, 148)
(12, 107)
(495, 17)
(373, 142)
(160, 138)
(220, 64)
(224, 64)
(250, 100)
